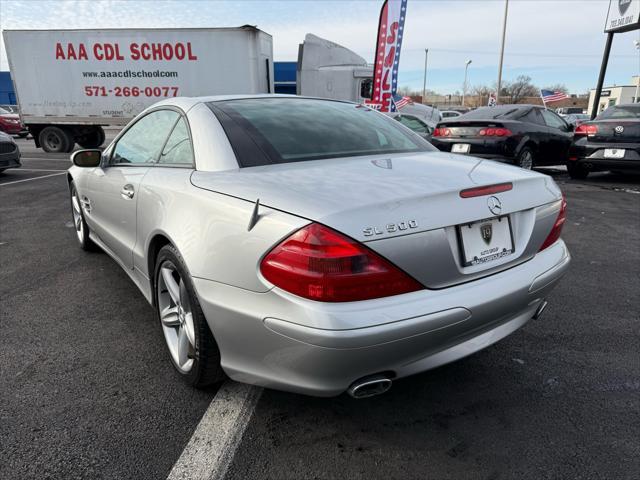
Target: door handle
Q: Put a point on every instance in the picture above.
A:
(127, 191)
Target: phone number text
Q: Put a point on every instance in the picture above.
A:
(91, 91)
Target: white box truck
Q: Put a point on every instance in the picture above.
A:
(71, 83)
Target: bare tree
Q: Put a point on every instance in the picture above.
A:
(481, 94)
(520, 88)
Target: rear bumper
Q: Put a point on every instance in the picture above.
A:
(592, 155)
(280, 341)
(503, 150)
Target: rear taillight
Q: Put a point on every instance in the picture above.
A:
(321, 264)
(588, 130)
(442, 132)
(554, 235)
(495, 132)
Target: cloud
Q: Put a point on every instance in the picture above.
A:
(545, 38)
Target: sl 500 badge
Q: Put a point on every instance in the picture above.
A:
(390, 228)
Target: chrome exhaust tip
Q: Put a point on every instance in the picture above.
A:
(369, 386)
(540, 309)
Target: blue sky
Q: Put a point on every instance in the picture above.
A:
(552, 41)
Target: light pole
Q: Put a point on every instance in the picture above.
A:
(464, 86)
(424, 83)
(504, 33)
(637, 44)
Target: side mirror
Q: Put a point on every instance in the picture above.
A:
(86, 158)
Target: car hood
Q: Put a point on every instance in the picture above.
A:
(351, 194)
(10, 116)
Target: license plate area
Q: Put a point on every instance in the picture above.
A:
(485, 241)
(460, 148)
(614, 152)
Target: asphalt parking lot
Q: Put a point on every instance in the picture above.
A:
(87, 390)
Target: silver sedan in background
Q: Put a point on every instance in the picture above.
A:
(316, 246)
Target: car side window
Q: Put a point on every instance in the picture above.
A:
(552, 120)
(178, 148)
(142, 142)
(533, 116)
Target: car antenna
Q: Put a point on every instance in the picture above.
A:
(255, 216)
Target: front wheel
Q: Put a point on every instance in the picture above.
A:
(81, 227)
(577, 171)
(525, 159)
(192, 348)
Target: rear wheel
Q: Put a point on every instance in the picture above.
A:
(92, 139)
(56, 140)
(192, 348)
(577, 171)
(525, 158)
(81, 227)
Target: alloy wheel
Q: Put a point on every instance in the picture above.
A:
(176, 316)
(526, 160)
(77, 216)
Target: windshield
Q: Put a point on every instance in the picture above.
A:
(298, 129)
(626, 111)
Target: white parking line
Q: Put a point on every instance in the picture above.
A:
(212, 446)
(29, 179)
(37, 170)
(47, 159)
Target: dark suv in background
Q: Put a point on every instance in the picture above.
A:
(525, 135)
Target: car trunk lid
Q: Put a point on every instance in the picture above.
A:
(616, 131)
(390, 198)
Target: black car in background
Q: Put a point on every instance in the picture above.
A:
(525, 135)
(610, 142)
(9, 153)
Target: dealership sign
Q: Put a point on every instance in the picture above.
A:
(623, 16)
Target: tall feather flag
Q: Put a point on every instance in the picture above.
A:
(387, 59)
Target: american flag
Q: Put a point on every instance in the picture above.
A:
(550, 96)
(401, 101)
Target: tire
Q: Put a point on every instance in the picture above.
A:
(56, 140)
(94, 139)
(192, 349)
(577, 171)
(79, 224)
(526, 159)
(23, 135)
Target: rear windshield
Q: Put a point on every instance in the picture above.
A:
(626, 111)
(281, 130)
(507, 111)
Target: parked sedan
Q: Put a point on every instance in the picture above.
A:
(414, 124)
(575, 119)
(10, 123)
(313, 245)
(525, 135)
(9, 153)
(610, 142)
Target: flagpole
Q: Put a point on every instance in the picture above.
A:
(543, 102)
(504, 34)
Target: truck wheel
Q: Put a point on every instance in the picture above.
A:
(56, 140)
(93, 139)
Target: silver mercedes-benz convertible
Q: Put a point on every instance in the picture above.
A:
(313, 245)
